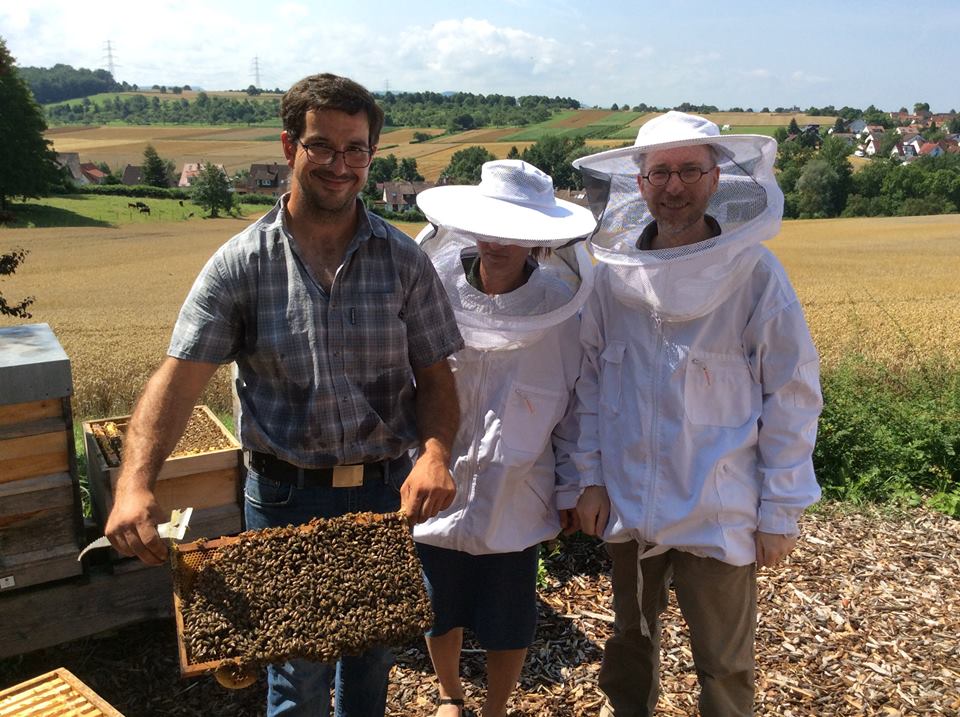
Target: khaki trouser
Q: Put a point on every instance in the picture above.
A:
(718, 602)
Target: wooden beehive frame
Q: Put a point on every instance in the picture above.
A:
(186, 561)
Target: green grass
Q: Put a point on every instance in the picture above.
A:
(766, 129)
(90, 210)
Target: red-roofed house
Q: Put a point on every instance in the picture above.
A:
(190, 172)
(92, 173)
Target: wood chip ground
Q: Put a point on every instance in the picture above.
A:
(864, 619)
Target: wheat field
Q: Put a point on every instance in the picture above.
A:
(883, 288)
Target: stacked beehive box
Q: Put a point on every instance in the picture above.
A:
(41, 517)
(58, 693)
(204, 473)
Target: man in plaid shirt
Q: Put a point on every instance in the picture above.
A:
(340, 330)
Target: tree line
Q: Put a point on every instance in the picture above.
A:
(141, 110)
(821, 183)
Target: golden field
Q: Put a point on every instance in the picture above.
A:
(238, 147)
(884, 288)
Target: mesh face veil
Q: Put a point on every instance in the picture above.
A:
(555, 291)
(688, 281)
(514, 204)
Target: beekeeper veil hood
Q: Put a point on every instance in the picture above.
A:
(689, 281)
(514, 204)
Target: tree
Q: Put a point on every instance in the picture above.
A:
(211, 189)
(919, 107)
(408, 171)
(514, 153)
(817, 190)
(154, 169)
(554, 155)
(465, 164)
(28, 167)
(793, 128)
(8, 265)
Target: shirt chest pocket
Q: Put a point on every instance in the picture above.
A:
(529, 417)
(717, 390)
(611, 375)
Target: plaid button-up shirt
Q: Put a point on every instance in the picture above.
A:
(325, 379)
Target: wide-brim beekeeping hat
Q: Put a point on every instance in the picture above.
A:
(514, 203)
(678, 129)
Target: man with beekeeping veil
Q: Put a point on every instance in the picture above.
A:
(507, 255)
(698, 401)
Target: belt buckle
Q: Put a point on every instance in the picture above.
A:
(348, 476)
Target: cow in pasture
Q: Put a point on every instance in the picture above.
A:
(133, 205)
(144, 209)
(140, 205)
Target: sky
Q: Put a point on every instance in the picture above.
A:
(729, 54)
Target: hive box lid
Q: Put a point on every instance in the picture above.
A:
(33, 364)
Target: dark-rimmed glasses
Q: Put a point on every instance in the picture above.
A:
(354, 157)
(688, 175)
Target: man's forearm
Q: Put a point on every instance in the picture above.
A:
(438, 411)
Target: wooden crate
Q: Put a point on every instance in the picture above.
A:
(210, 483)
(41, 515)
(58, 693)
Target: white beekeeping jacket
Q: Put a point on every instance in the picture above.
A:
(699, 392)
(511, 459)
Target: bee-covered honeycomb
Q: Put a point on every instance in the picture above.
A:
(333, 587)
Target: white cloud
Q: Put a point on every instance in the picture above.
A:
(479, 52)
(803, 76)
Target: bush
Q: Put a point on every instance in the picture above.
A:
(257, 199)
(138, 190)
(410, 215)
(886, 436)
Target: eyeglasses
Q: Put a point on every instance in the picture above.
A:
(322, 154)
(688, 175)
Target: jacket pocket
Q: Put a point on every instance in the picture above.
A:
(611, 375)
(717, 390)
(529, 417)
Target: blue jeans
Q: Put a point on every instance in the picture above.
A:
(300, 688)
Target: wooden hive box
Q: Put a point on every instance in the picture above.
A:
(210, 482)
(41, 514)
(58, 693)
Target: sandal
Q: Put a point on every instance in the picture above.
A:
(455, 701)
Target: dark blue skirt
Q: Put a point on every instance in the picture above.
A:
(495, 596)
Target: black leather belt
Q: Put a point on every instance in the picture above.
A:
(269, 466)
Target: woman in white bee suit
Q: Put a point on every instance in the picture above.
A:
(699, 398)
(516, 302)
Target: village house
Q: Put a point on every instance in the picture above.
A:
(92, 173)
(81, 173)
(401, 196)
(272, 179)
(190, 172)
(132, 175)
